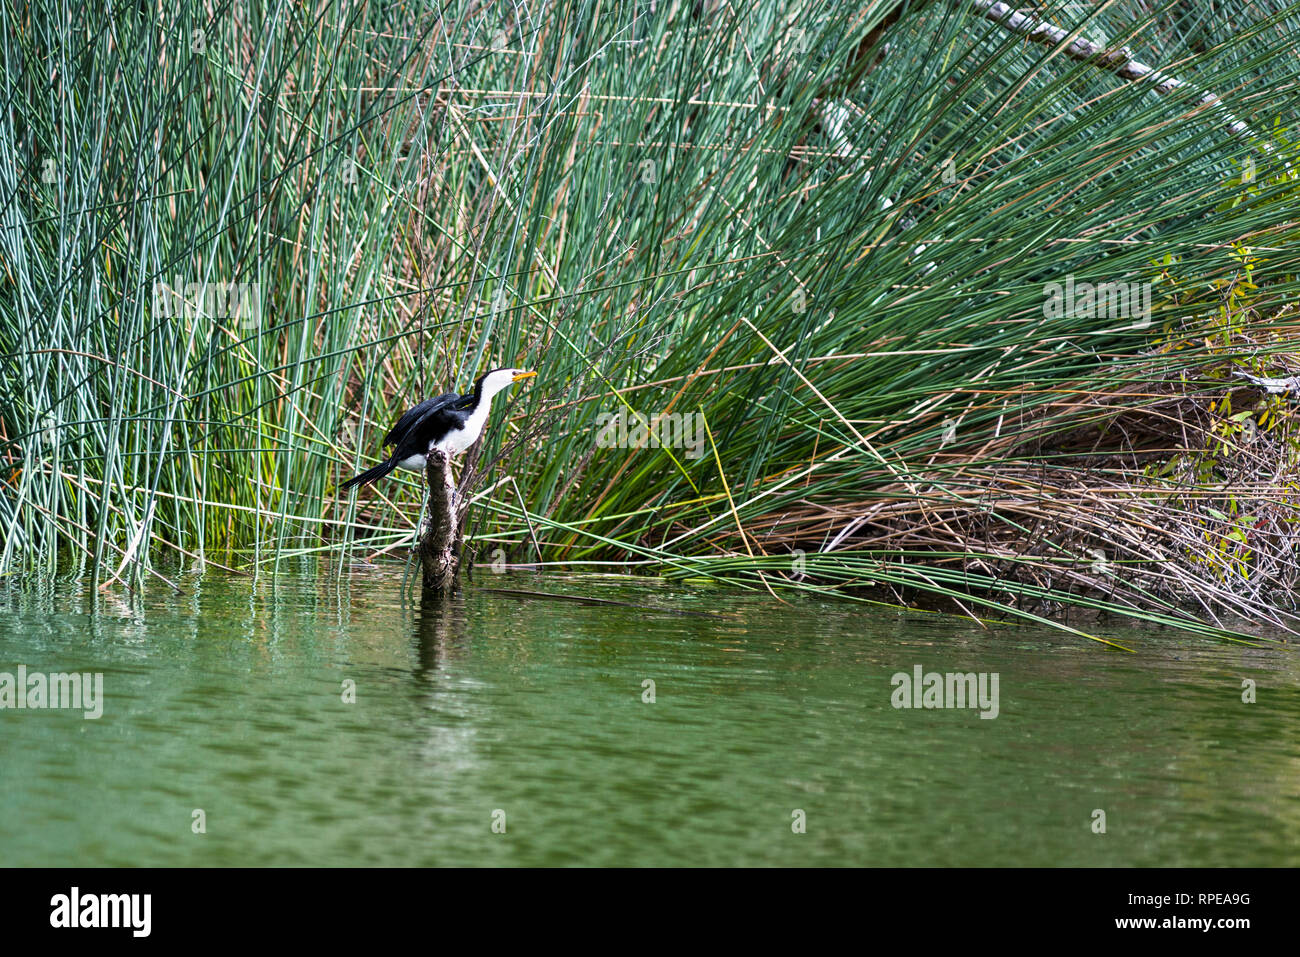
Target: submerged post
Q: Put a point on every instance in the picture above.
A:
(440, 538)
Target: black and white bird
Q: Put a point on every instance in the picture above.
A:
(449, 422)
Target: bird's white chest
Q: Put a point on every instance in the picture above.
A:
(458, 440)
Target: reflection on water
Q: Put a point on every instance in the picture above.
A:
(323, 719)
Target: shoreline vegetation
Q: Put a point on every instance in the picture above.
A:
(893, 302)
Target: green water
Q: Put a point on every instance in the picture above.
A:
(531, 713)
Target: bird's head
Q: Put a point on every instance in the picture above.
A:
(499, 379)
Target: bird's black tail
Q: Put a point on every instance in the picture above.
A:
(369, 475)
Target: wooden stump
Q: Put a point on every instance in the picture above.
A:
(440, 538)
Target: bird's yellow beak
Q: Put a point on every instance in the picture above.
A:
(521, 376)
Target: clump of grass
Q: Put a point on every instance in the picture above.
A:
(1173, 489)
(827, 231)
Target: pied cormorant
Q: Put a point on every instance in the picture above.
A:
(449, 422)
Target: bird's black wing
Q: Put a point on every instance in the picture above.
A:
(411, 416)
(430, 427)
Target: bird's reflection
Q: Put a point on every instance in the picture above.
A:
(448, 695)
